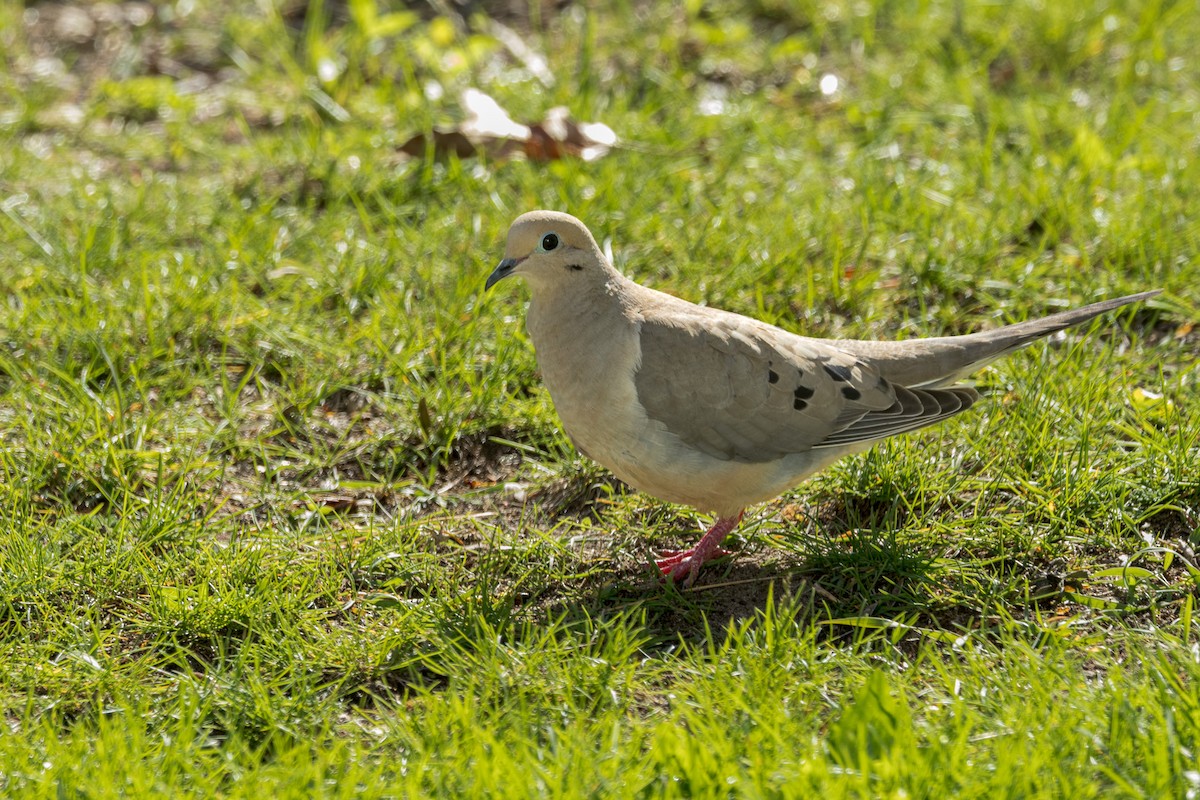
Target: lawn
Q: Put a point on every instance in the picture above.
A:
(285, 510)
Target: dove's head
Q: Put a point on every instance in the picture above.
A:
(551, 249)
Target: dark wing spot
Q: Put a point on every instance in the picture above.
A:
(575, 267)
(837, 372)
(802, 393)
(882, 383)
(850, 393)
(772, 376)
(799, 404)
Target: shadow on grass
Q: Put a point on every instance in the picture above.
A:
(867, 575)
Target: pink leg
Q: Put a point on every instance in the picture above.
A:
(682, 566)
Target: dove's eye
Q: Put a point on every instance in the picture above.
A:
(549, 242)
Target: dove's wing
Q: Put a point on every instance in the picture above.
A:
(737, 389)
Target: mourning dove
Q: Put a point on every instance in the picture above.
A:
(715, 410)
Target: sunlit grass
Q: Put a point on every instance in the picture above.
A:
(284, 508)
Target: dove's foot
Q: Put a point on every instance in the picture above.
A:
(682, 566)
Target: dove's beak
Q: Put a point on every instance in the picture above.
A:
(503, 270)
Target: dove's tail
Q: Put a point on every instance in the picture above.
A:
(943, 361)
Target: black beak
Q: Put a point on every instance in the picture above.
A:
(503, 270)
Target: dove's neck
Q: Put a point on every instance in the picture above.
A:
(577, 324)
(587, 349)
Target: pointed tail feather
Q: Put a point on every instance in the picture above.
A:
(942, 361)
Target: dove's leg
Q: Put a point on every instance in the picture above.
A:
(682, 566)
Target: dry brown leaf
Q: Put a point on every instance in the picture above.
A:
(488, 130)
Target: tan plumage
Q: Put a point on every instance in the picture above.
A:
(712, 409)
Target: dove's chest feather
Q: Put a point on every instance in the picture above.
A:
(587, 360)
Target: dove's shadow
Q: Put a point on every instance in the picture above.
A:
(866, 575)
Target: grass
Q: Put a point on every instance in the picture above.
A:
(284, 507)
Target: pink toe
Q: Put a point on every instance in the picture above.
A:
(672, 559)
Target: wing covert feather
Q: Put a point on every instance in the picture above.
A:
(731, 388)
(737, 389)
